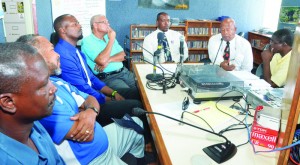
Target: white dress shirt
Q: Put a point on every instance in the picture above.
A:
(150, 43)
(240, 52)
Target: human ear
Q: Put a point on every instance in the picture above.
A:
(6, 103)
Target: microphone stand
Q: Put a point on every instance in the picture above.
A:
(163, 79)
(158, 76)
(155, 77)
(219, 152)
(218, 51)
(178, 72)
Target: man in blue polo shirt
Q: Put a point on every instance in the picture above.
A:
(26, 95)
(72, 126)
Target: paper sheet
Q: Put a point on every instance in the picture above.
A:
(209, 112)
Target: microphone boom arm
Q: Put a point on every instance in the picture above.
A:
(219, 152)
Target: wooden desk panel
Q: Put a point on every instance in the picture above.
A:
(158, 141)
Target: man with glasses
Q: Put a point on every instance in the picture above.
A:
(171, 43)
(105, 55)
(76, 71)
(229, 50)
(276, 59)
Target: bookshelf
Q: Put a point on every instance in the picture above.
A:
(137, 35)
(258, 41)
(197, 34)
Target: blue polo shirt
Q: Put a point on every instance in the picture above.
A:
(91, 46)
(14, 152)
(73, 72)
(68, 99)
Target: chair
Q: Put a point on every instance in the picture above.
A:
(259, 71)
(205, 61)
(54, 38)
(242, 34)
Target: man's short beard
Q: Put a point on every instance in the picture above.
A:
(57, 71)
(80, 37)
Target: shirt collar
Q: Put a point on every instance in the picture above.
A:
(67, 45)
(19, 149)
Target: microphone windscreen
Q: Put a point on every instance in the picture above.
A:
(138, 111)
(160, 36)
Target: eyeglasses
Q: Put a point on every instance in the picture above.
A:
(104, 22)
(185, 103)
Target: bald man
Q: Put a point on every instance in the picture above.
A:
(237, 55)
(26, 95)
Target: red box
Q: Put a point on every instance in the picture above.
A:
(263, 143)
(261, 135)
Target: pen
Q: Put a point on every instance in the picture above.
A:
(196, 111)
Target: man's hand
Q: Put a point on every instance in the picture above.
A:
(111, 33)
(118, 97)
(100, 68)
(85, 125)
(225, 65)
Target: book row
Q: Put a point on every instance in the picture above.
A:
(197, 44)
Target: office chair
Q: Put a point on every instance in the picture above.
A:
(242, 34)
(205, 61)
(54, 38)
(259, 71)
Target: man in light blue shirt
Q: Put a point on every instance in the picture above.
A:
(26, 95)
(105, 55)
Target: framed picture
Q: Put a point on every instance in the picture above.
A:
(164, 4)
(289, 14)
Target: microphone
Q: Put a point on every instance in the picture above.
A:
(181, 51)
(218, 51)
(179, 65)
(153, 76)
(219, 152)
(162, 76)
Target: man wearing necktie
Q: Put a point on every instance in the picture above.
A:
(167, 52)
(226, 55)
(170, 44)
(229, 50)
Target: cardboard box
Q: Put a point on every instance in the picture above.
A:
(265, 127)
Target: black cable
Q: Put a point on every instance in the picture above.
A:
(245, 111)
(182, 114)
(158, 85)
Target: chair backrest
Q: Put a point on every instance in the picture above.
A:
(54, 38)
(205, 61)
(242, 34)
(259, 71)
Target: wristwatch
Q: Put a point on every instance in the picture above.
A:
(113, 95)
(94, 109)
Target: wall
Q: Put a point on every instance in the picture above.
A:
(125, 12)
